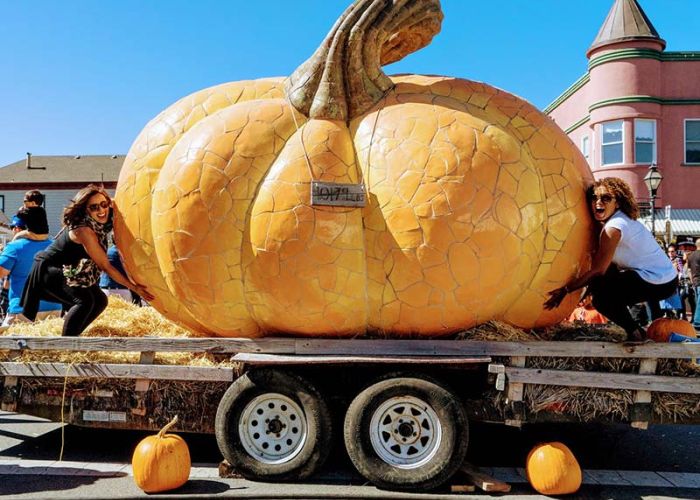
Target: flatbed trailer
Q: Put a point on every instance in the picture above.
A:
(402, 405)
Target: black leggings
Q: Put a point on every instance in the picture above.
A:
(83, 305)
(617, 289)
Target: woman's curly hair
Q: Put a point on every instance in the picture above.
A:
(76, 211)
(622, 193)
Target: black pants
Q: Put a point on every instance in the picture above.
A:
(617, 289)
(687, 294)
(82, 305)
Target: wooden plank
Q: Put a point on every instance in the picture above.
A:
(515, 389)
(483, 481)
(155, 372)
(146, 358)
(515, 393)
(604, 380)
(136, 344)
(282, 359)
(439, 347)
(646, 367)
(142, 385)
(359, 347)
(227, 471)
(462, 488)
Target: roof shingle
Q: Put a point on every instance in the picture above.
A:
(51, 169)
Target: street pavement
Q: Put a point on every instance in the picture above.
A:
(618, 463)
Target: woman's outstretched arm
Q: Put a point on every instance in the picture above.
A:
(609, 239)
(87, 237)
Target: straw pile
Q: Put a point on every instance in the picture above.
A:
(120, 319)
(125, 320)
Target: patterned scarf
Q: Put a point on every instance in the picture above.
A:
(85, 273)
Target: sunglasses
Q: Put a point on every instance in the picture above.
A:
(603, 198)
(96, 206)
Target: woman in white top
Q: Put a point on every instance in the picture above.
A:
(628, 267)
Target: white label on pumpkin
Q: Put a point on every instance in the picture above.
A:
(337, 195)
(95, 416)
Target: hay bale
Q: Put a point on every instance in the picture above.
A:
(120, 319)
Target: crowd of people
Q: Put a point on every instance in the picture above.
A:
(69, 275)
(631, 280)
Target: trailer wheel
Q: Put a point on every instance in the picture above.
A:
(273, 425)
(406, 433)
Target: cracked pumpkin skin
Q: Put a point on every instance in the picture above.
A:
(476, 210)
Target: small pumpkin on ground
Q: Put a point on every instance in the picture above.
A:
(161, 462)
(552, 469)
(661, 329)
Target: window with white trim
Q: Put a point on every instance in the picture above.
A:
(645, 141)
(2, 202)
(586, 146)
(612, 142)
(692, 141)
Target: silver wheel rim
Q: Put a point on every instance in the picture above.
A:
(272, 428)
(405, 432)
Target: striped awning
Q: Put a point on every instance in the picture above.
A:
(684, 221)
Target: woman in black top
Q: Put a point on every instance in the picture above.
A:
(68, 271)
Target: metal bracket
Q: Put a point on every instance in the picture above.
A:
(500, 372)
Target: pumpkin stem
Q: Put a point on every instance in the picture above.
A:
(165, 429)
(343, 78)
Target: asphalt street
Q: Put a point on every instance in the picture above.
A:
(619, 462)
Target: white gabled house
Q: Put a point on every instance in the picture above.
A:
(58, 177)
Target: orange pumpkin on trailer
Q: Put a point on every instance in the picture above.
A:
(474, 203)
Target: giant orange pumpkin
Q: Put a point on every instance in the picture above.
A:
(475, 200)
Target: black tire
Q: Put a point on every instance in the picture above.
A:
(430, 416)
(297, 409)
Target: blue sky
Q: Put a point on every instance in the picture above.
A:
(84, 77)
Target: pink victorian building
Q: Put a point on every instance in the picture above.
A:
(636, 105)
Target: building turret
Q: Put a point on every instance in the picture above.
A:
(626, 24)
(625, 82)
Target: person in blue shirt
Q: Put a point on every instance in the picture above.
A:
(16, 262)
(110, 286)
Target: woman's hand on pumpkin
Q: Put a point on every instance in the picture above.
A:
(555, 298)
(143, 292)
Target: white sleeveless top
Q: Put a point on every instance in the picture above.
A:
(639, 251)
